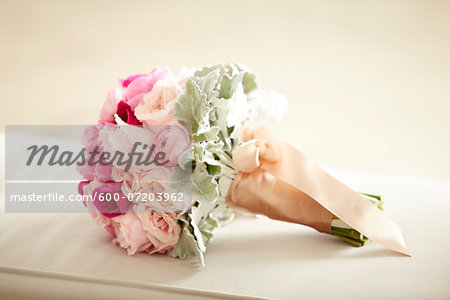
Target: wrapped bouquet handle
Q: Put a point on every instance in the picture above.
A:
(280, 182)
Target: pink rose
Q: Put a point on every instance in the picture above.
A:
(163, 230)
(130, 234)
(173, 140)
(136, 86)
(157, 107)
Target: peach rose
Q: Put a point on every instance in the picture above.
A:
(162, 229)
(157, 107)
(130, 234)
(154, 180)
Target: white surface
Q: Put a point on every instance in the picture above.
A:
(257, 257)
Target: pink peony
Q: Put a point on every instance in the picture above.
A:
(110, 107)
(123, 139)
(109, 200)
(90, 137)
(126, 113)
(126, 82)
(81, 186)
(136, 86)
(173, 140)
(157, 107)
(96, 171)
(162, 229)
(130, 234)
(86, 188)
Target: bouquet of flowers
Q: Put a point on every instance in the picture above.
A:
(215, 156)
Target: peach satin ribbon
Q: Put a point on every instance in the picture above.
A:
(280, 182)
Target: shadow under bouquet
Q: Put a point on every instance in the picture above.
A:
(207, 156)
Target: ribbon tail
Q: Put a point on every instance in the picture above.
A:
(298, 170)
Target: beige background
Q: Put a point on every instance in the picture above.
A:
(368, 82)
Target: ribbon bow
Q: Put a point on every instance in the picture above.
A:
(280, 182)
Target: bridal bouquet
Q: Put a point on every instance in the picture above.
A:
(201, 130)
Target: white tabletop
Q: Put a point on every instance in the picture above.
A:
(55, 255)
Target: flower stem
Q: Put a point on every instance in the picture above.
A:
(345, 232)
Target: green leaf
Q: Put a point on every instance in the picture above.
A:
(181, 183)
(249, 79)
(187, 245)
(205, 104)
(205, 188)
(201, 244)
(214, 167)
(221, 214)
(213, 148)
(191, 107)
(221, 110)
(209, 81)
(228, 85)
(249, 82)
(208, 69)
(186, 158)
(209, 136)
